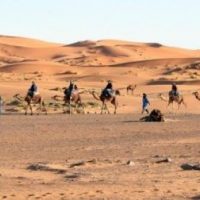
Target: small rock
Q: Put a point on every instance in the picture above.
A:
(71, 176)
(189, 166)
(166, 160)
(93, 161)
(78, 163)
(130, 163)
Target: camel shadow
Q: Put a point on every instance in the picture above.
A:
(196, 197)
(131, 121)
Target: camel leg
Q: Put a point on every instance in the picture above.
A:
(31, 109)
(184, 104)
(38, 109)
(170, 103)
(115, 111)
(102, 107)
(179, 105)
(26, 109)
(83, 108)
(106, 107)
(44, 108)
(76, 107)
(64, 109)
(70, 108)
(115, 105)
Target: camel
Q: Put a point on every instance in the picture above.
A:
(131, 88)
(104, 101)
(75, 98)
(197, 95)
(37, 99)
(177, 99)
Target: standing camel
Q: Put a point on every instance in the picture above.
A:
(75, 98)
(197, 95)
(177, 99)
(131, 88)
(104, 100)
(36, 100)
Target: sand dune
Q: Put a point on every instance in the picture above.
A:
(24, 42)
(34, 67)
(94, 53)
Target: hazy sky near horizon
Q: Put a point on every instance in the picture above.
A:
(171, 22)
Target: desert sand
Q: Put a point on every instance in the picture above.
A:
(38, 152)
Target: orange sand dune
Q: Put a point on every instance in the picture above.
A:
(90, 53)
(24, 42)
(34, 67)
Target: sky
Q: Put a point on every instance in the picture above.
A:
(170, 22)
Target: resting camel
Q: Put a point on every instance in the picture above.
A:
(75, 98)
(197, 95)
(131, 88)
(36, 100)
(104, 101)
(177, 99)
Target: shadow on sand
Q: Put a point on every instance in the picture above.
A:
(196, 197)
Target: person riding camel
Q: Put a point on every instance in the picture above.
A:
(69, 91)
(108, 90)
(33, 90)
(174, 90)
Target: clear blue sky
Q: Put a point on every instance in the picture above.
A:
(171, 22)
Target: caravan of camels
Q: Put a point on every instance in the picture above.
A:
(72, 98)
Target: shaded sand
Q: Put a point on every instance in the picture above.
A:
(102, 146)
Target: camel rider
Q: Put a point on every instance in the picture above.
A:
(33, 90)
(68, 92)
(108, 90)
(175, 90)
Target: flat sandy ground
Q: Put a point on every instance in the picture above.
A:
(105, 143)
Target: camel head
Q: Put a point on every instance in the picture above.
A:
(162, 97)
(117, 92)
(16, 95)
(56, 97)
(195, 93)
